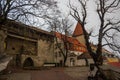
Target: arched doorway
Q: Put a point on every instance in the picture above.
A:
(61, 63)
(72, 62)
(28, 62)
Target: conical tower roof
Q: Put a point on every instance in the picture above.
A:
(78, 30)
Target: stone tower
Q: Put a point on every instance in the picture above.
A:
(78, 34)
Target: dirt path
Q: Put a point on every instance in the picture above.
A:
(75, 73)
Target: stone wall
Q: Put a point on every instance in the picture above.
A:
(46, 51)
(37, 61)
(81, 39)
(15, 46)
(3, 35)
(40, 52)
(25, 42)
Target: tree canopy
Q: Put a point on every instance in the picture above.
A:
(26, 11)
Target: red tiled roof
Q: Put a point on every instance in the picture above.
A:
(78, 30)
(116, 64)
(76, 45)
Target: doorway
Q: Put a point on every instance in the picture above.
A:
(72, 62)
(28, 62)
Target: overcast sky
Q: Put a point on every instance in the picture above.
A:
(92, 18)
(63, 6)
(92, 22)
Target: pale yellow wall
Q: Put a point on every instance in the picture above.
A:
(82, 62)
(112, 60)
(68, 63)
(81, 39)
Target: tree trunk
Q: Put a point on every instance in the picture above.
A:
(64, 62)
(100, 72)
(86, 60)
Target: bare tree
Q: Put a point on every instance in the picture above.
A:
(104, 8)
(26, 11)
(62, 27)
(113, 42)
(65, 29)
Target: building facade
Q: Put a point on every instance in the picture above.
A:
(29, 46)
(73, 47)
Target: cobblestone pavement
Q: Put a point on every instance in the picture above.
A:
(71, 73)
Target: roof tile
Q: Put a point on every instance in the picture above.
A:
(76, 45)
(78, 30)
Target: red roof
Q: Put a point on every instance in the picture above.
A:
(78, 30)
(116, 64)
(75, 44)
